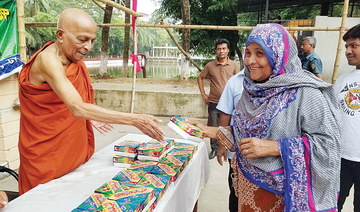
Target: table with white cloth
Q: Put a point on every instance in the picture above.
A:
(69, 191)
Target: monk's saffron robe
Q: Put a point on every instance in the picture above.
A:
(51, 141)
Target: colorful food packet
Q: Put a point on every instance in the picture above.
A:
(128, 175)
(159, 182)
(109, 188)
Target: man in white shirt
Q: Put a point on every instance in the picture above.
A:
(227, 103)
(347, 88)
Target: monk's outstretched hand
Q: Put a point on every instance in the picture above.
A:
(147, 125)
(102, 127)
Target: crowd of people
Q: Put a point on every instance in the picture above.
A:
(290, 137)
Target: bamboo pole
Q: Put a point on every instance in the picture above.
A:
(134, 70)
(101, 7)
(182, 50)
(209, 27)
(21, 29)
(341, 34)
(120, 7)
(40, 24)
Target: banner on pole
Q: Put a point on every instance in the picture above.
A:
(10, 62)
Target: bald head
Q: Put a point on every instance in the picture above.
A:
(74, 17)
(76, 32)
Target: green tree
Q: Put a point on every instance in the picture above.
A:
(146, 38)
(126, 41)
(33, 7)
(185, 39)
(204, 12)
(104, 54)
(36, 37)
(162, 37)
(185, 33)
(116, 37)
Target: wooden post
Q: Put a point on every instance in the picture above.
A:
(21, 29)
(341, 34)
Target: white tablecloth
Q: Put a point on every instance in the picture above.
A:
(70, 190)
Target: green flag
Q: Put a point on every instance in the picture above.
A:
(10, 62)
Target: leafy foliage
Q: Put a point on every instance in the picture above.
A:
(205, 12)
(222, 13)
(37, 37)
(49, 11)
(32, 7)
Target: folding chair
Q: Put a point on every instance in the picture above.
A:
(11, 194)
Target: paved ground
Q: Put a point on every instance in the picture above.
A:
(213, 197)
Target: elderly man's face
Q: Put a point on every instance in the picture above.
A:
(76, 34)
(78, 42)
(306, 48)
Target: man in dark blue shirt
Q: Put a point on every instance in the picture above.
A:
(312, 61)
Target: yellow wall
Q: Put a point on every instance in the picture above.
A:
(298, 23)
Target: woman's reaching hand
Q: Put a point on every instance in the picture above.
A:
(210, 132)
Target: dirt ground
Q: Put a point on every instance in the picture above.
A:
(153, 84)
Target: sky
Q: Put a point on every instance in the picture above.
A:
(146, 6)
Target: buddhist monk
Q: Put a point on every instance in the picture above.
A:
(57, 110)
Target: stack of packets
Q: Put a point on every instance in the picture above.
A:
(183, 149)
(154, 150)
(125, 153)
(188, 131)
(175, 161)
(140, 186)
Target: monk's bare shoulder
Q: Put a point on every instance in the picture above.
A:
(47, 63)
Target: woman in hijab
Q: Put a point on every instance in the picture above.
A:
(286, 131)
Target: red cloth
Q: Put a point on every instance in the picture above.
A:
(52, 142)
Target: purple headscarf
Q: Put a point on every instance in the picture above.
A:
(275, 42)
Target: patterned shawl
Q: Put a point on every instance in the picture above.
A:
(299, 111)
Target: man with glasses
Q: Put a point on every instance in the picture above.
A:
(312, 61)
